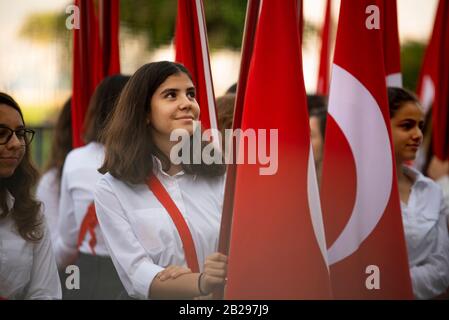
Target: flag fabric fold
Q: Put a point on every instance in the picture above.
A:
(275, 250)
(392, 48)
(109, 36)
(324, 68)
(433, 84)
(301, 21)
(95, 56)
(362, 216)
(86, 61)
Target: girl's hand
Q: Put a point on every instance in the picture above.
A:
(172, 272)
(215, 272)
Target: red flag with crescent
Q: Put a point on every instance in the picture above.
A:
(433, 85)
(362, 216)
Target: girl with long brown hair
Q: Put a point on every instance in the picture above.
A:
(160, 219)
(27, 266)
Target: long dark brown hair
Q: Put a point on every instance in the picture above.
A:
(62, 141)
(101, 105)
(26, 209)
(397, 97)
(128, 138)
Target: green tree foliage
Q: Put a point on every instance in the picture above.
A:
(412, 54)
(156, 19)
(44, 27)
(225, 21)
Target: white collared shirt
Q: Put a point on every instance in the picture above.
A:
(79, 177)
(426, 234)
(142, 238)
(27, 269)
(443, 182)
(48, 193)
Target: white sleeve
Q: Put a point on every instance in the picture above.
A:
(44, 283)
(432, 278)
(66, 242)
(47, 192)
(444, 184)
(135, 267)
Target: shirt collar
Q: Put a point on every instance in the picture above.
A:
(419, 179)
(157, 167)
(9, 200)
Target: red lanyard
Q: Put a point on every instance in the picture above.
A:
(89, 223)
(184, 232)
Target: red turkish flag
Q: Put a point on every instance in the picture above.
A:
(192, 51)
(109, 36)
(323, 72)
(86, 62)
(277, 246)
(433, 85)
(392, 47)
(95, 56)
(301, 21)
(362, 216)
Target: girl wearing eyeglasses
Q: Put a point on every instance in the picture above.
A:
(27, 264)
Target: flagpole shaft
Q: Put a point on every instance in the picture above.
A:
(252, 13)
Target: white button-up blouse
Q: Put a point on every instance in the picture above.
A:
(79, 177)
(141, 237)
(27, 269)
(426, 234)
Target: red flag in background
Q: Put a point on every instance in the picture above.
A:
(301, 21)
(95, 56)
(392, 47)
(86, 61)
(362, 216)
(323, 73)
(193, 52)
(109, 36)
(433, 85)
(275, 250)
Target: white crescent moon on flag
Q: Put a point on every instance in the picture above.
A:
(360, 119)
(427, 93)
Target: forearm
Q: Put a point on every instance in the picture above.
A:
(183, 287)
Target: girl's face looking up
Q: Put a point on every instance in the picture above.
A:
(174, 106)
